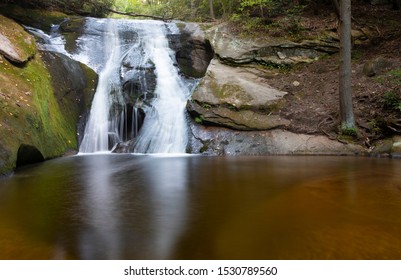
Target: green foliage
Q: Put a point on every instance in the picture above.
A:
(199, 120)
(392, 100)
(97, 8)
(395, 76)
(346, 133)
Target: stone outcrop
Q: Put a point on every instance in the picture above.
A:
(376, 66)
(41, 101)
(268, 51)
(235, 110)
(235, 98)
(388, 147)
(224, 141)
(74, 87)
(193, 50)
(15, 44)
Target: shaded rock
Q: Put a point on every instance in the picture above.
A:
(193, 50)
(28, 154)
(223, 141)
(42, 19)
(74, 87)
(396, 147)
(390, 147)
(236, 98)
(233, 50)
(375, 66)
(122, 147)
(15, 44)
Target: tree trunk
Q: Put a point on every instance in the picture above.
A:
(211, 9)
(336, 7)
(347, 115)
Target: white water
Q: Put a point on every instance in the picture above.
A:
(53, 41)
(164, 129)
(123, 51)
(96, 137)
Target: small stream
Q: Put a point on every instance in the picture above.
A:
(193, 207)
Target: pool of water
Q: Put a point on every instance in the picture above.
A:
(195, 207)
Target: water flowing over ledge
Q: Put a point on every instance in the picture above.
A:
(140, 94)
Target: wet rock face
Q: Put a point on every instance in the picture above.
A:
(193, 50)
(224, 141)
(74, 87)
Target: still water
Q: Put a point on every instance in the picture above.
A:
(194, 207)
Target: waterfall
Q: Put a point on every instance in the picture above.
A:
(99, 125)
(164, 129)
(140, 95)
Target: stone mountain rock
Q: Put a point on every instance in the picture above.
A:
(277, 51)
(375, 66)
(235, 98)
(224, 141)
(193, 51)
(15, 44)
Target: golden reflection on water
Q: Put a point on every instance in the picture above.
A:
(140, 207)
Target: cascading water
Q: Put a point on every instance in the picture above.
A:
(141, 61)
(99, 125)
(140, 98)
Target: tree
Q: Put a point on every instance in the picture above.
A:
(211, 9)
(346, 111)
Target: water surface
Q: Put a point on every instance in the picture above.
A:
(193, 207)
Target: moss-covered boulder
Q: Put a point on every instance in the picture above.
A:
(236, 98)
(35, 108)
(15, 44)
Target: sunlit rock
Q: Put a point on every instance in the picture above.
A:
(236, 98)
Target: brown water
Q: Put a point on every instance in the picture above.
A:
(191, 207)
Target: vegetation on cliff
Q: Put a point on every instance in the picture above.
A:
(34, 110)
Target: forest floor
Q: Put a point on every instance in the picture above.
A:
(312, 103)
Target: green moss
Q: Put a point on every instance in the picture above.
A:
(30, 114)
(392, 77)
(42, 19)
(180, 25)
(199, 120)
(347, 134)
(22, 42)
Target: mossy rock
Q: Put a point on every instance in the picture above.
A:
(42, 19)
(39, 110)
(15, 44)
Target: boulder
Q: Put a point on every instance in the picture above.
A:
(375, 66)
(15, 44)
(236, 98)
